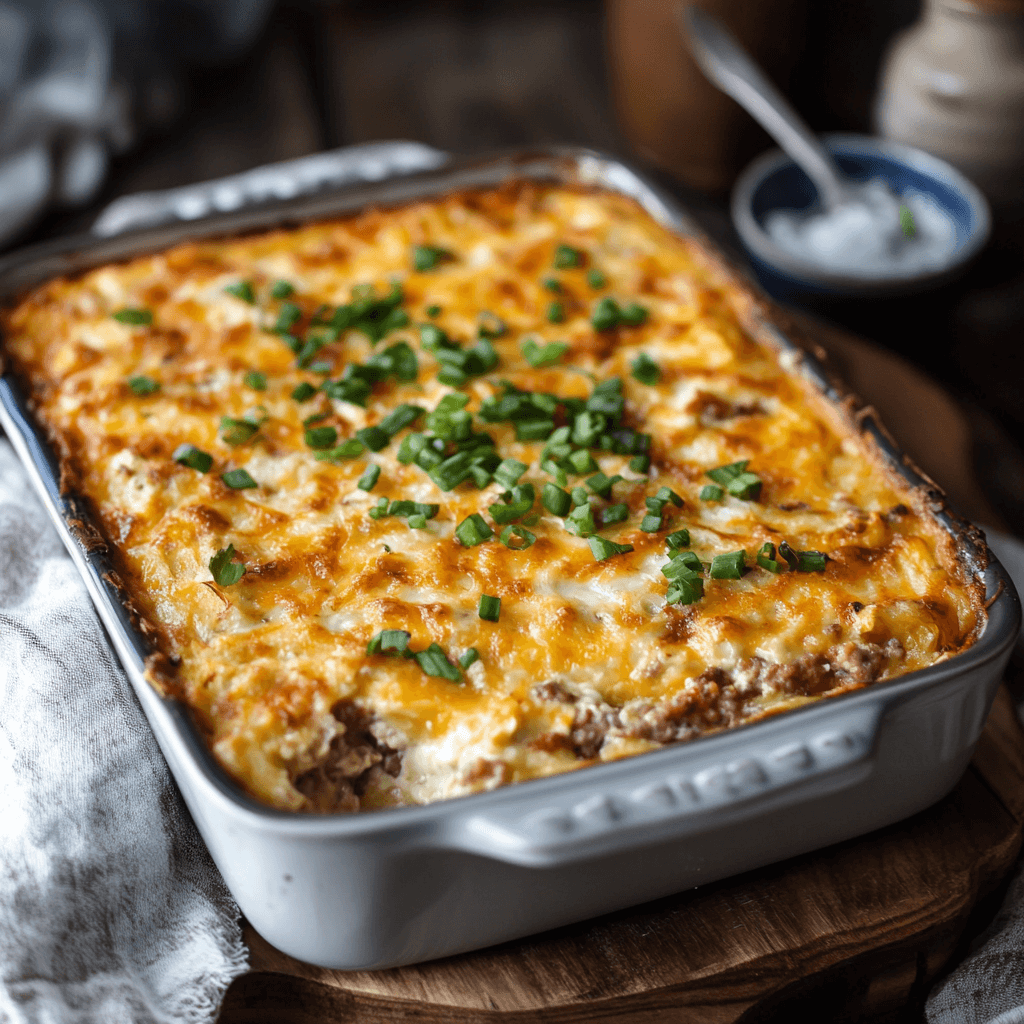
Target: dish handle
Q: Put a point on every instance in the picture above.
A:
(594, 820)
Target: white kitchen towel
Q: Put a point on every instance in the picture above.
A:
(111, 911)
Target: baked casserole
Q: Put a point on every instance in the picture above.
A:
(428, 500)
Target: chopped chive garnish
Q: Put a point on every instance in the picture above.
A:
(317, 417)
(615, 514)
(766, 558)
(640, 463)
(349, 449)
(491, 326)
(469, 658)
(602, 485)
(143, 385)
(516, 538)
(369, 479)
(489, 608)
(238, 479)
(907, 221)
(682, 563)
(736, 480)
(226, 572)
(566, 256)
(321, 366)
(596, 279)
(508, 472)
(373, 437)
(556, 313)
(711, 492)
(555, 500)
(426, 257)
(380, 510)
(434, 662)
(645, 369)
(389, 641)
(237, 431)
(685, 589)
(134, 317)
(452, 471)
(664, 494)
(255, 380)
(281, 290)
(803, 561)
(553, 284)
(521, 503)
(473, 530)
(403, 508)
(543, 355)
(533, 430)
(632, 314)
(652, 523)
(582, 462)
(679, 539)
(603, 548)
(399, 418)
(191, 456)
(580, 521)
(433, 311)
(242, 290)
(321, 437)
(417, 521)
(729, 566)
(579, 496)
(287, 316)
(605, 315)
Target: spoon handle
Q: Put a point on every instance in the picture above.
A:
(729, 66)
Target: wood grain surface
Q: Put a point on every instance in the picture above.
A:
(859, 930)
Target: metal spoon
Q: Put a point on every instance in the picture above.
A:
(731, 68)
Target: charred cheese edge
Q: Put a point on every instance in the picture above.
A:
(588, 661)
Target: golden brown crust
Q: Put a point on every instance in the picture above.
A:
(275, 667)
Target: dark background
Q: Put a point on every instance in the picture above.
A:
(470, 76)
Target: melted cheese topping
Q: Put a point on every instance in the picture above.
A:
(266, 663)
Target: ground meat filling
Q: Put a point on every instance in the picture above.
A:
(363, 744)
(717, 698)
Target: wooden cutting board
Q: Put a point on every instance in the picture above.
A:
(851, 932)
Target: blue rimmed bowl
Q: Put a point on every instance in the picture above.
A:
(773, 182)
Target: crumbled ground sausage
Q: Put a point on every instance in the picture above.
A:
(717, 698)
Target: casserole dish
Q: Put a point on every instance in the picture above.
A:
(401, 885)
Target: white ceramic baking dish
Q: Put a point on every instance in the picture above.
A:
(393, 887)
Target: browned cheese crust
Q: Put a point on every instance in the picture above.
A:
(618, 631)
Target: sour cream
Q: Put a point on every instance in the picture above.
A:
(871, 236)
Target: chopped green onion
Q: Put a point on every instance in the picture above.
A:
(433, 311)
(237, 431)
(142, 385)
(596, 279)
(255, 380)
(580, 521)
(321, 437)
(812, 561)
(521, 503)
(399, 418)
(711, 492)
(373, 437)
(907, 221)
(434, 662)
(403, 508)
(281, 290)
(766, 558)
(238, 479)
(303, 392)
(543, 355)
(606, 315)
(652, 523)
(640, 463)
(491, 326)
(452, 471)
(380, 510)
(556, 313)
(686, 589)
(632, 314)
(508, 472)
(470, 657)
(389, 641)
(615, 514)
(473, 530)
(603, 548)
(682, 563)
(226, 572)
(579, 496)
(417, 522)
(553, 284)
(346, 450)
(566, 256)
(426, 257)
(555, 500)
(369, 479)
(602, 485)
(664, 494)
(645, 369)
(689, 560)
(242, 290)
(729, 566)
(191, 456)
(582, 462)
(679, 539)
(736, 480)
(524, 535)
(321, 366)
(134, 317)
(287, 316)
(489, 608)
